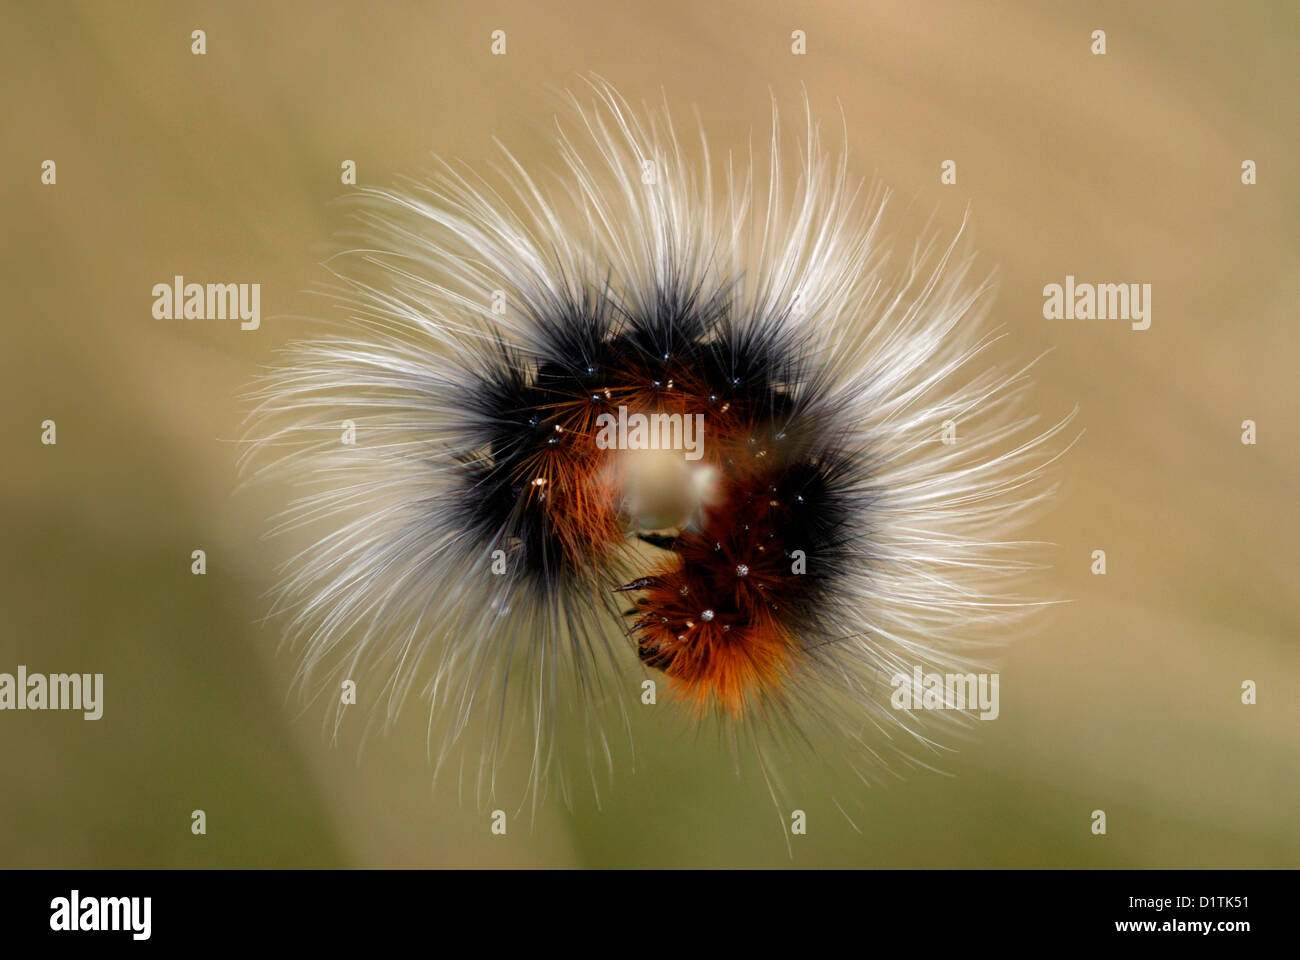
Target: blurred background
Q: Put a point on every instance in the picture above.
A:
(1124, 167)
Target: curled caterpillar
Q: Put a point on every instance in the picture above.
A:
(648, 411)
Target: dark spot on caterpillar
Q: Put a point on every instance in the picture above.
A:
(658, 540)
(638, 584)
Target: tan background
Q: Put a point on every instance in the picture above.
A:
(1116, 168)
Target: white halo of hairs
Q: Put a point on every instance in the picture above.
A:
(420, 573)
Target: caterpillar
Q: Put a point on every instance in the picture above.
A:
(649, 417)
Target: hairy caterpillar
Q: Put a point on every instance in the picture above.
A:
(485, 539)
